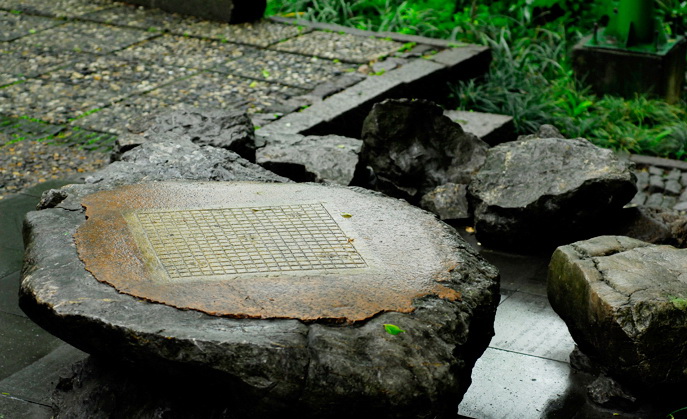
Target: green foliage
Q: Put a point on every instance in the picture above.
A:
(531, 76)
(392, 329)
(680, 304)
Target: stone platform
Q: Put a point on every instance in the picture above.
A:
(279, 291)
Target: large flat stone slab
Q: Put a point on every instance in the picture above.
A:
(271, 287)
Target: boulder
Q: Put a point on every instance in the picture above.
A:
(412, 148)
(229, 129)
(330, 158)
(175, 157)
(329, 353)
(625, 304)
(448, 201)
(542, 192)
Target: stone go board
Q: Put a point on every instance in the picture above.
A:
(261, 250)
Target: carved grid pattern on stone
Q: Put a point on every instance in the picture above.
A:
(229, 241)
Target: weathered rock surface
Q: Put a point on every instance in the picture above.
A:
(263, 366)
(330, 158)
(625, 304)
(541, 192)
(448, 201)
(652, 225)
(171, 157)
(229, 129)
(413, 148)
(233, 11)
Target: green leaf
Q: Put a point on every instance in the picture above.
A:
(265, 73)
(392, 329)
(346, 215)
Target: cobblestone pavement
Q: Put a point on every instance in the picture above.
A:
(76, 72)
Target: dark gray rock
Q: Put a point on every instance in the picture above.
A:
(229, 129)
(642, 180)
(652, 225)
(253, 367)
(413, 148)
(537, 193)
(233, 11)
(656, 184)
(654, 200)
(544, 131)
(173, 157)
(625, 304)
(448, 201)
(608, 393)
(331, 158)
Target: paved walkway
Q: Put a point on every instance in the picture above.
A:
(81, 70)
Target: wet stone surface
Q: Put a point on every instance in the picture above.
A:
(209, 89)
(262, 33)
(183, 52)
(152, 20)
(292, 69)
(333, 258)
(344, 47)
(56, 8)
(86, 37)
(16, 25)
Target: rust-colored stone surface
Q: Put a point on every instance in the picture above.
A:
(254, 250)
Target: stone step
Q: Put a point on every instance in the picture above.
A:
(492, 128)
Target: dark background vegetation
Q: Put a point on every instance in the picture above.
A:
(531, 76)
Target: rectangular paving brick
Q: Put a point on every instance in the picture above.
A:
(209, 90)
(21, 61)
(17, 25)
(56, 8)
(292, 69)
(344, 47)
(183, 51)
(153, 20)
(261, 33)
(117, 73)
(86, 37)
(59, 102)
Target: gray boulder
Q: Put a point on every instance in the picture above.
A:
(625, 304)
(542, 192)
(173, 157)
(330, 158)
(412, 148)
(229, 129)
(257, 366)
(448, 201)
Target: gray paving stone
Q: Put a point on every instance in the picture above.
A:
(60, 102)
(292, 69)
(673, 187)
(512, 385)
(22, 343)
(674, 174)
(642, 179)
(86, 37)
(262, 33)
(669, 201)
(527, 324)
(211, 90)
(344, 47)
(56, 8)
(653, 170)
(183, 51)
(152, 20)
(9, 284)
(639, 199)
(37, 381)
(654, 200)
(21, 61)
(519, 273)
(16, 408)
(491, 128)
(109, 70)
(16, 25)
(656, 183)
